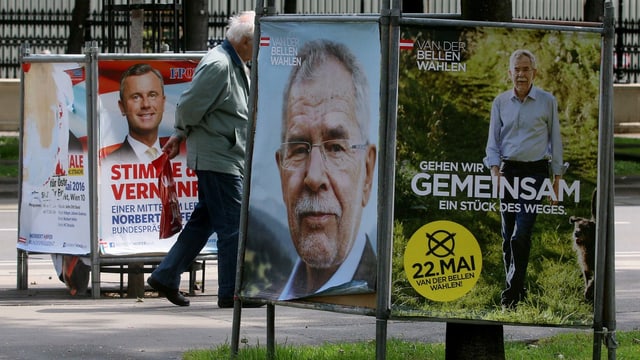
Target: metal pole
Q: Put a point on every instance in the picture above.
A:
(108, 18)
(271, 309)
(271, 332)
(237, 308)
(23, 270)
(609, 312)
(91, 52)
(176, 28)
(390, 32)
(22, 256)
(604, 300)
(619, 43)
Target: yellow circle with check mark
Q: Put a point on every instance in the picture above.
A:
(442, 261)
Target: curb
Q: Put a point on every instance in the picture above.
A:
(627, 181)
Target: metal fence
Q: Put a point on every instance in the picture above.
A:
(44, 24)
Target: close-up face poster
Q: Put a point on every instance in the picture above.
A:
(311, 228)
(496, 168)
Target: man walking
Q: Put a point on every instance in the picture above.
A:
(212, 115)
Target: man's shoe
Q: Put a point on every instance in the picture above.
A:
(252, 304)
(226, 303)
(172, 295)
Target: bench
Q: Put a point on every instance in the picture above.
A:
(120, 265)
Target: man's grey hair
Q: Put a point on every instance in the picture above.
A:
(313, 54)
(241, 26)
(519, 53)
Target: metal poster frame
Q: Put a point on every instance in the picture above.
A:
(446, 24)
(325, 20)
(91, 59)
(134, 258)
(390, 20)
(26, 58)
(263, 14)
(604, 299)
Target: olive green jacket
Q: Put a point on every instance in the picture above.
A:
(213, 113)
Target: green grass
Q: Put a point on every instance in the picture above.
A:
(9, 153)
(626, 168)
(576, 346)
(627, 146)
(9, 148)
(8, 171)
(627, 156)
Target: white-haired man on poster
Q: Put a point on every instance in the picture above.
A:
(326, 164)
(524, 141)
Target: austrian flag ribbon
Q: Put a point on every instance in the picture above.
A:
(406, 44)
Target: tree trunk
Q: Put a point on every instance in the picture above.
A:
(489, 10)
(594, 10)
(196, 30)
(474, 342)
(290, 6)
(412, 7)
(136, 30)
(77, 28)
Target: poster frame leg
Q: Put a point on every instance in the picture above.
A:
(271, 344)
(22, 270)
(604, 309)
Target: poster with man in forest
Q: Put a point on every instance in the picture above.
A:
(496, 161)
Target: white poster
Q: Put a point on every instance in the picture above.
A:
(54, 207)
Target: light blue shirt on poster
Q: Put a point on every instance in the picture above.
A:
(526, 130)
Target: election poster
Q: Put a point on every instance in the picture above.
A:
(311, 224)
(54, 203)
(496, 167)
(137, 101)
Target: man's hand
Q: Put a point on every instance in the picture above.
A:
(495, 174)
(495, 170)
(556, 189)
(172, 147)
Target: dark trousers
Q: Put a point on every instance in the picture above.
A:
(517, 226)
(218, 210)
